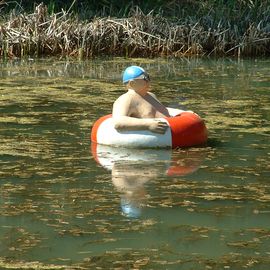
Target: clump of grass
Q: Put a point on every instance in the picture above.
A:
(144, 35)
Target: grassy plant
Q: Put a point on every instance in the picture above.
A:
(213, 29)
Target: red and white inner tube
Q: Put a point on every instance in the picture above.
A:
(186, 129)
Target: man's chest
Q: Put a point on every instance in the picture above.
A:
(143, 109)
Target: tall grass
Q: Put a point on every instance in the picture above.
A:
(203, 27)
(121, 8)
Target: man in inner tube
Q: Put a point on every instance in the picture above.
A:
(139, 109)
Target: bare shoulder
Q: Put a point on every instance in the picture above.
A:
(123, 105)
(125, 98)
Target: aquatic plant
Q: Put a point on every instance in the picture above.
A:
(54, 194)
(140, 34)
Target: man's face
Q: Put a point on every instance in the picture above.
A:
(141, 84)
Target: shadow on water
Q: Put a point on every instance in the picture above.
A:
(215, 143)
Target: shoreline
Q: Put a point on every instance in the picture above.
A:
(42, 34)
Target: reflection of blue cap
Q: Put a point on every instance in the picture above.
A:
(129, 209)
(132, 73)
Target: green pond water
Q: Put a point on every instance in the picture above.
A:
(67, 204)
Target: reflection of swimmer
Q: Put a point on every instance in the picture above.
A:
(130, 207)
(107, 156)
(129, 178)
(184, 162)
(133, 168)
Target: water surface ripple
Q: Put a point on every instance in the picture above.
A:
(67, 204)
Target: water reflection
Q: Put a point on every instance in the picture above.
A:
(57, 206)
(132, 169)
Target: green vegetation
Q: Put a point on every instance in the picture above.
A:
(135, 28)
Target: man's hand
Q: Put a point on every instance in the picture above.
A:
(158, 126)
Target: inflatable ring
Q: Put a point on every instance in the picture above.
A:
(186, 129)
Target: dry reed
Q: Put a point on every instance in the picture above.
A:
(143, 35)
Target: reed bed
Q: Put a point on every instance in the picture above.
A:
(138, 35)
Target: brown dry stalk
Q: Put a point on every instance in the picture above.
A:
(139, 35)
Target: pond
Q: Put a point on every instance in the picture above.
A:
(65, 203)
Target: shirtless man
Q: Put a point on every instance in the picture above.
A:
(138, 109)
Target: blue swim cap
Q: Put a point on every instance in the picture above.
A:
(132, 73)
